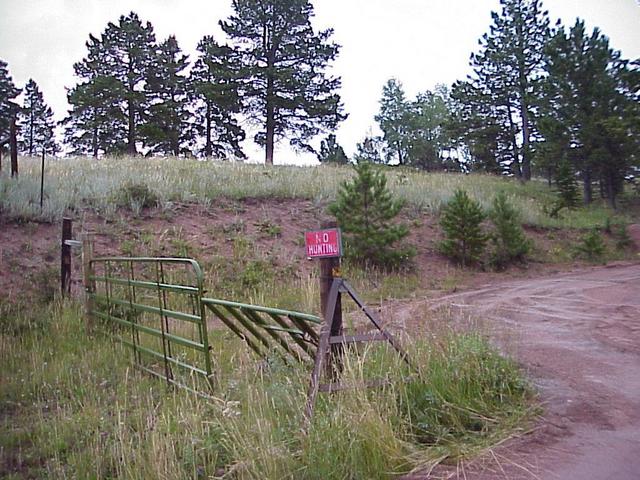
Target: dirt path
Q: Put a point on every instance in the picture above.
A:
(578, 336)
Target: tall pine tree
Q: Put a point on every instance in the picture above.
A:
(37, 126)
(166, 129)
(117, 66)
(508, 68)
(95, 123)
(476, 126)
(393, 119)
(285, 83)
(590, 112)
(8, 92)
(217, 100)
(428, 121)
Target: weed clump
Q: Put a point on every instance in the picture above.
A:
(136, 196)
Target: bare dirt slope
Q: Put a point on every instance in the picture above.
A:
(578, 336)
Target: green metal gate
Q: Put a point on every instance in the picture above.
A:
(153, 306)
(156, 306)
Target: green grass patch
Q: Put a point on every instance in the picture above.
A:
(136, 183)
(71, 406)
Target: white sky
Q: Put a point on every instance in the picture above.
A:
(420, 42)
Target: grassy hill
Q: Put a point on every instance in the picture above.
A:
(70, 406)
(106, 184)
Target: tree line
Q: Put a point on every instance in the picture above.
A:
(540, 96)
(541, 99)
(136, 94)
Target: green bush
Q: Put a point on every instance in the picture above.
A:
(364, 210)
(509, 241)
(137, 196)
(591, 246)
(568, 195)
(462, 224)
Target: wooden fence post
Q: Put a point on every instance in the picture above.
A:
(87, 282)
(329, 270)
(65, 258)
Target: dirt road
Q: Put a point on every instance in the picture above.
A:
(578, 336)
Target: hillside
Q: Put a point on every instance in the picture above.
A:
(256, 216)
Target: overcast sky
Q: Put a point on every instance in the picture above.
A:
(420, 42)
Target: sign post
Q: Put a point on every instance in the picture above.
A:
(326, 245)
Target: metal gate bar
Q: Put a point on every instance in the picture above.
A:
(122, 301)
(267, 329)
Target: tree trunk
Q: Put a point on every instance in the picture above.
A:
(400, 158)
(207, 133)
(13, 145)
(271, 121)
(95, 142)
(526, 160)
(131, 134)
(31, 136)
(515, 167)
(611, 189)
(588, 192)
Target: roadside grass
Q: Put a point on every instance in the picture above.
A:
(134, 183)
(71, 406)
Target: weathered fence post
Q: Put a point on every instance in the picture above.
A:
(87, 282)
(329, 270)
(13, 144)
(65, 258)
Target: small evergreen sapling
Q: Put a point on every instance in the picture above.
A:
(509, 241)
(364, 210)
(567, 190)
(591, 246)
(461, 221)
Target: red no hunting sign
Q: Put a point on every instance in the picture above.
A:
(323, 243)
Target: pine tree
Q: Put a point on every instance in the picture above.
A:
(8, 92)
(427, 125)
(461, 222)
(393, 118)
(217, 99)
(119, 60)
(508, 69)
(477, 126)
(509, 241)
(166, 129)
(96, 123)
(284, 62)
(37, 124)
(590, 112)
(364, 210)
(331, 151)
(567, 189)
(591, 246)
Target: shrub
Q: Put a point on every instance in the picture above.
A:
(567, 190)
(461, 221)
(137, 196)
(509, 241)
(364, 209)
(591, 247)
